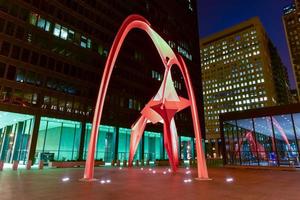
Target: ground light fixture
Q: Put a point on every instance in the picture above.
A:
(65, 179)
(187, 180)
(229, 180)
(105, 181)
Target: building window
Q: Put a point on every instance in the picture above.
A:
(58, 139)
(130, 103)
(56, 30)
(105, 149)
(15, 135)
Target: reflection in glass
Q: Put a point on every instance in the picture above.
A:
(231, 143)
(285, 140)
(247, 143)
(186, 147)
(265, 141)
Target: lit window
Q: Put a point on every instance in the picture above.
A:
(33, 18)
(41, 23)
(83, 42)
(47, 27)
(130, 103)
(56, 30)
(63, 33)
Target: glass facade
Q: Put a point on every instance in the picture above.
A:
(153, 146)
(58, 139)
(15, 133)
(186, 148)
(105, 149)
(124, 143)
(263, 141)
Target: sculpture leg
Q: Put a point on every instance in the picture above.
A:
(171, 143)
(175, 143)
(137, 131)
(201, 162)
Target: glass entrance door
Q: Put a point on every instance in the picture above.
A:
(15, 132)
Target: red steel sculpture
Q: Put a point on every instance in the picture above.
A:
(161, 108)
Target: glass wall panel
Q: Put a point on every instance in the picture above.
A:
(153, 147)
(15, 132)
(124, 143)
(265, 141)
(296, 118)
(69, 142)
(286, 143)
(58, 139)
(52, 138)
(187, 148)
(231, 145)
(105, 149)
(247, 142)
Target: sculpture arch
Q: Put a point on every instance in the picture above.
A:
(169, 59)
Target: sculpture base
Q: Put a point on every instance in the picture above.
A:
(203, 179)
(88, 180)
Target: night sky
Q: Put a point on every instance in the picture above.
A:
(216, 15)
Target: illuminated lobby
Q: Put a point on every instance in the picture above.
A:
(262, 137)
(59, 140)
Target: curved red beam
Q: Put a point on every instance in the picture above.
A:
(139, 22)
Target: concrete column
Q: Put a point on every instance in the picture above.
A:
(34, 136)
(15, 165)
(116, 143)
(28, 165)
(1, 165)
(143, 147)
(82, 137)
(179, 149)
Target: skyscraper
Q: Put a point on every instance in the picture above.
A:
(291, 19)
(241, 70)
(52, 55)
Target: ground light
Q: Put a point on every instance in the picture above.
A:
(105, 181)
(229, 180)
(187, 180)
(65, 179)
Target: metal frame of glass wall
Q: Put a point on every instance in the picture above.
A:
(272, 140)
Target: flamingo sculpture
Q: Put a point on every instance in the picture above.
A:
(161, 108)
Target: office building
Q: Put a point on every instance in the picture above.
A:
(241, 70)
(291, 20)
(52, 54)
